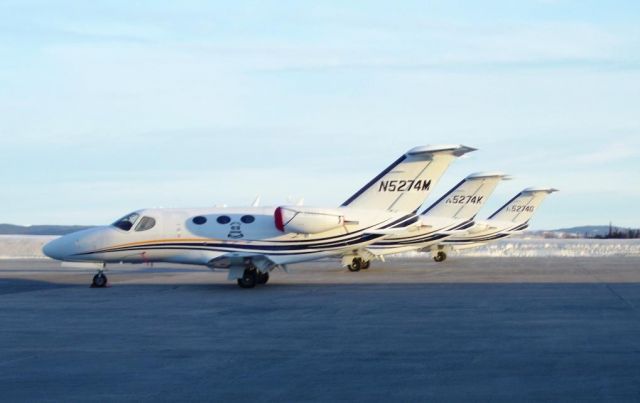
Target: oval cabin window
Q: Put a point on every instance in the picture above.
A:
(247, 219)
(199, 220)
(223, 219)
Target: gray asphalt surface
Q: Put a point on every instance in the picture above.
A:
(478, 329)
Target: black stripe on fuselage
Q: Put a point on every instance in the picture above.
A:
(222, 247)
(348, 240)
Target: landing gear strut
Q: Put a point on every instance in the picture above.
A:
(440, 257)
(99, 280)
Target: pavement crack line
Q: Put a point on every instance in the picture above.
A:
(624, 300)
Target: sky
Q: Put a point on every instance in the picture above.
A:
(111, 106)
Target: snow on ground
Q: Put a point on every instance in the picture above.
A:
(30, 247)
(517, 247)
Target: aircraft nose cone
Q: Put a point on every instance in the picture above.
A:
(56, 249)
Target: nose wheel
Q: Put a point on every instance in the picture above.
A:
(99, 280)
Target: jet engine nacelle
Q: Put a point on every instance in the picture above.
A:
(305, 220)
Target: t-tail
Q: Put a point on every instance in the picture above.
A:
(466, 198)
(520, 209)
(405, 184)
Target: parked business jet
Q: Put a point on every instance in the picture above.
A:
(510, 219)
(250, 242)
(452, 214)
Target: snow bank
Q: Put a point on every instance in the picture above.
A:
(23, 246)
(516, 247)
(30, 247)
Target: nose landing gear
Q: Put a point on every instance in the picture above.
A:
(99, 280)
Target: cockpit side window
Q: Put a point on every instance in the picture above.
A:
(145, 224)
(126, 222)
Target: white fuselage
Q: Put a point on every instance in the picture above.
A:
(201, 235)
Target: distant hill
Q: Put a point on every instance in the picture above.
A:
(10, 229)
(590, 230)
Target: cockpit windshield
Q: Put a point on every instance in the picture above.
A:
(126, 222)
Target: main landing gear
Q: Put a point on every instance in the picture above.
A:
(440, 257)
(358, 264)
(252, 276)
(99, 280)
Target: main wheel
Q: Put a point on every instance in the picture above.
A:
(248, 279)
(99, 280)
(366, 264)
(440, 257)
(263, 278)
(356, 264)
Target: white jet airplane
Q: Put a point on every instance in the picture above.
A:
(452, 214)
(252, 241)
(510, 219)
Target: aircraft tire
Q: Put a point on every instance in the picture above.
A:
(356, 264)
(249, 279)
(263, 278)
(440, 257)
(99, 281)
(365, 264)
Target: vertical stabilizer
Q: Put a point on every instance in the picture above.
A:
(467, 197)
(406, 183)
(520, 209)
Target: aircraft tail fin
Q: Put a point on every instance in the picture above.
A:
(521, 207)
(405, 184)
(467, 197)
